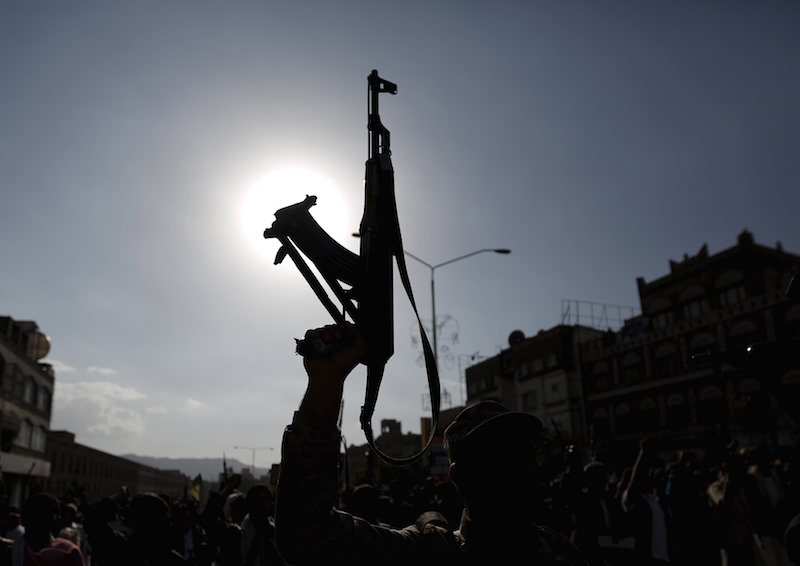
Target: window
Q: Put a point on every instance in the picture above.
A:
(555, 389)
(43, 399)
(29, 396)
(732, 296)
(17, 383)
(666, 360)
(648, 415)
(486, 383)
(38, 438)
(24, 434)
(601, 373)
(480, 384)
(552, 360)
(529, 401)
(678, 413)
(631, 369)
(537, 365)
(622, 414)
(710, 405)
(696, 309)
(662, 320)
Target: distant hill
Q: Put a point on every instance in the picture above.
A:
(209, 468)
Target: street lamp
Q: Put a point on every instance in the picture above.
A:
(253, 449)
(433, 288)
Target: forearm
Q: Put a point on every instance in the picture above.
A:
(307, 485)
(308, 528)
(321, 404)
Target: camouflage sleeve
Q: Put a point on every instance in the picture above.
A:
(308, 527)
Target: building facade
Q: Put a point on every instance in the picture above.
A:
(26, 396)
(538, 375)
(78, 471)
(670, 372)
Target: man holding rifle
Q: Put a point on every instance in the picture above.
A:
(492, 455)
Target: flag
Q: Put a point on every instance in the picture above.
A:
(197, 484)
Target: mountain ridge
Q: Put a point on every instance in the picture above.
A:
(208, 468)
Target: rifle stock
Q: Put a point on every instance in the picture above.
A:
(368, 300)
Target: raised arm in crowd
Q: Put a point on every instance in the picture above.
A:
(492, 453)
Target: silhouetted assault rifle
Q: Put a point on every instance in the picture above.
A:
(367, 300)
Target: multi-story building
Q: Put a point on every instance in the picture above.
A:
(78, 470)
(644, 381)
(538, 375)
(26, 393)
(610, 388)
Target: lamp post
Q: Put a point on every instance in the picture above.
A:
(253, 449)
(433, 285)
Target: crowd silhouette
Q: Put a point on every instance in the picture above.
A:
(723, 505)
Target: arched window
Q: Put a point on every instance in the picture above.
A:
(694, 303)
(791, 378)
(710, 405)
(648, 415)
(730, 288)
(660, 312)
(666, 363)
(631, 369)
(622, 416)
(678, 414)
(743, 328)
(749, 385)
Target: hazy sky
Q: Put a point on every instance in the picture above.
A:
(145, 146)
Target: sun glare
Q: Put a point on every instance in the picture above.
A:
(289, 186)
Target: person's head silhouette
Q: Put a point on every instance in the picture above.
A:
(493, 452)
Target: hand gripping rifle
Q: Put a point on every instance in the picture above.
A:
(367, 300)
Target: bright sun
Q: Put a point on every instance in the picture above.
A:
(284, 187)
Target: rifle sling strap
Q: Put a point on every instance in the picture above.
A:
(375, 371)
